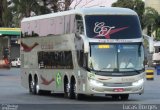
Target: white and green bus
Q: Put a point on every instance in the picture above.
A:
(88, 51)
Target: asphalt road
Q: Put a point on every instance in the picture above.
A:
(14, 97)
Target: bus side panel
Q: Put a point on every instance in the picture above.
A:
(49, 78)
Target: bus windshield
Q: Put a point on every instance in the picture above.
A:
(112, 26)
(119, 58)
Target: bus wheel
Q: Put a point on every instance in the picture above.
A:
(124, 96)
(37, 86)
(72, 89)
(30, 84)
(32, 87)
(66, 88)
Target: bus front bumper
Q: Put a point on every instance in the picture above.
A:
(133, 88)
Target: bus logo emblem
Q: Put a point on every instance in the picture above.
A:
(58, 79)
(106, 31)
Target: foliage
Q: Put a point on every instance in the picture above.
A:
(139, 7)
(124, 3)
(158, 34)
(11, 16)
(25, 8)
(151, 19)
(5, 13)
(1, 12)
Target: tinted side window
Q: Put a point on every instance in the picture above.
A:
(56, 60)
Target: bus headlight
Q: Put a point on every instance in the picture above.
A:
(95, 83)
(137, 83)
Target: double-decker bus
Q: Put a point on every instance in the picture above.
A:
(5, 35)
(88, 51)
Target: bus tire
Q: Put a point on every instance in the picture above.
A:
(66, 87)
(38, 91)
(72, 89)
(79, 96)
(124, 96)
(32, 86)
(29, 83)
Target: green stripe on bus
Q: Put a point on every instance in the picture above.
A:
(10, 32)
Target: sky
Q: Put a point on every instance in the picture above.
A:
(91, 3)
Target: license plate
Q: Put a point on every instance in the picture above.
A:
(118, 90)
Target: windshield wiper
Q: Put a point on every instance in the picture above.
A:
(135, 70)
(109, 69)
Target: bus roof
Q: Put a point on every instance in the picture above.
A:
(87, 11)
(10, 31)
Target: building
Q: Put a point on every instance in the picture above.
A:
(13, 34)
(154, 4)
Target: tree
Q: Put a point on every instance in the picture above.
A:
(151, 20)
(67, 4)
(124, 3)
(24, 8)
(1, 12)
(60, 5)
(54, 5)
(5, 14)
(139, 7)
(27, 8)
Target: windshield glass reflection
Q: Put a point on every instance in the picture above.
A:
(116, 57)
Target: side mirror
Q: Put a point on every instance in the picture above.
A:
(86, 46)
(85, 61)
(150, 43)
